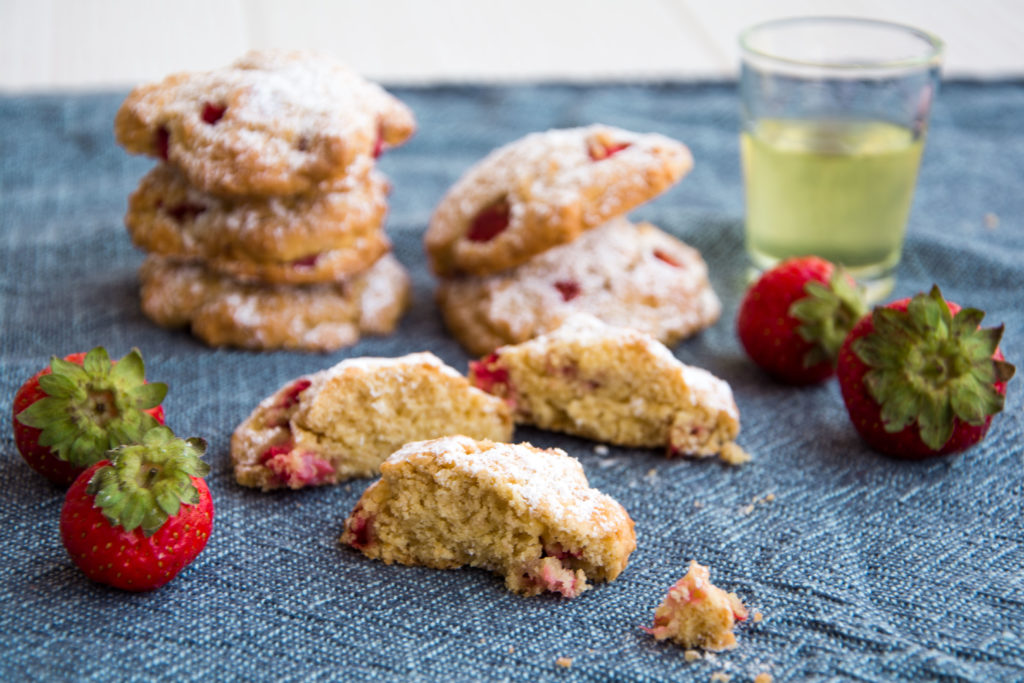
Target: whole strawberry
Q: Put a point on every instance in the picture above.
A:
(134, 521)
(920, 377)
(792, 321)
(69, 414)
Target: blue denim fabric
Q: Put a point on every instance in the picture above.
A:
(865, 568)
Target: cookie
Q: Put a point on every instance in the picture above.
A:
(275, 122)
(225, 312)
(524, 513)
(545, 190)
(626, 275)
(319, 236)
(343, 422)
(615, 385)
(696, 613)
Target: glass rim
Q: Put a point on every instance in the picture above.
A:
(932, 55)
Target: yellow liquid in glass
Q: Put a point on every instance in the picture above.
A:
(838, 189)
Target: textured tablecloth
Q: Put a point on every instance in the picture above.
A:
(863, 567)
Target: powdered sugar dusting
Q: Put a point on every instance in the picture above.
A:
(289, 119)
(619, 280)
(546, 482)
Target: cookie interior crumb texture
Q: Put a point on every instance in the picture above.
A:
(344, 421)
(525, 513)
(612, 384)
(697, 614)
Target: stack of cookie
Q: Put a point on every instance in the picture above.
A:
(264, 219)
(535, 232)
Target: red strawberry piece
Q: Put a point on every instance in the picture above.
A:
(490, 222)
(488, 374)
(162, 142)
(569, 289)
(378, 145)
(667, 258)
(793, 320)
(296, 468)
(212, 113)
(358, 529)
(68, 415)
(136, 520)
(306, 261)
(600, 150)
(185, 211)
(920, 377)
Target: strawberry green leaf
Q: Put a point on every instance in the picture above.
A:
(929, 368)
(148, 482)
(148, 396)
(97, 362)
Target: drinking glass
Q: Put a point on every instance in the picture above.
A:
(834, 117)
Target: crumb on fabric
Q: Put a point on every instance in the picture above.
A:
(763, 677)
(732, 454)
(720, 677)
(601, 449)
(691, 655)
(564, 662)
(758, 617)
(511, 649)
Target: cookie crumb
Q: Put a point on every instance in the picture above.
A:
(991, 221)
(734, 455)
(758, 617)
(770, 498)
(511, 649)
(747, 509)
(691, 655)
(697, 504)
(564, 662)
(720, 677)
(763, 677)
(601, 449)
(651, 475)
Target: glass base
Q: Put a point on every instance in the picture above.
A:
(877, 281)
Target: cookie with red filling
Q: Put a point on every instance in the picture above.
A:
(524, 513)
(342, 422)
(545, 190)
(223, 311)
(324, 235)
(275, 122)
(625, 274)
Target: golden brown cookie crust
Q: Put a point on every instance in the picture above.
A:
(625, 274)
(551, 186)
(224, 312)
(275, 122)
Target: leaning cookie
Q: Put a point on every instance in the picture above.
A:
(225, 312)
(343, 422)
(545, 190)
(525, 513)
(615, 385)
(319, 236)
(275, 122)
(624, 274)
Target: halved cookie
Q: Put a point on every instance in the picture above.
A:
(343, 422)
(525, 513)
(616, 385)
